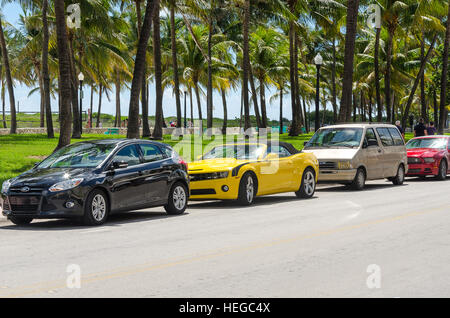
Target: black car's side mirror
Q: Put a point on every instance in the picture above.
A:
(119, 165)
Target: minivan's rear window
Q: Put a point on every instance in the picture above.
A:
(385, 136)
(398, 139)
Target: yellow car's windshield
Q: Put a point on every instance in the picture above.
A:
(240, 152)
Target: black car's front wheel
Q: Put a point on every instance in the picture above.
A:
(97, 208)
(20, 220)
(178, 199)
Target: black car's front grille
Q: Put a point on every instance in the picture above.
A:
(327, 165)
(24, 203)
(21, 190)
(203, 191)
(413, 160)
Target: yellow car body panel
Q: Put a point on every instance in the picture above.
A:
(276, 175)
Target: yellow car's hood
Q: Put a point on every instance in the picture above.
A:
(214, 165)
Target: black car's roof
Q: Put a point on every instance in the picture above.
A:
(120, 142)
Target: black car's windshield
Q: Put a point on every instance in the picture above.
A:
(240, 152)
(435, 143)
(336, 137)
(80, 155)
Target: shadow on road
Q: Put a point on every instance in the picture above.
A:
(427, 179)
(259, 201)
(73, 224)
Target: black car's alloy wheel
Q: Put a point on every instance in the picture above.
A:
(247, 189)
(308, 185)
(97, 208)
(178, 199)
(20, 220)
(442, 175)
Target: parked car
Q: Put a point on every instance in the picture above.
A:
(243, 171)
(91, 180)
(353, 153)
(429, 156)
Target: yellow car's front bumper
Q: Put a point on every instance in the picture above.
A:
(215, 189)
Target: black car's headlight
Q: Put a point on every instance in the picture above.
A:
(66, 185)
(5, 186)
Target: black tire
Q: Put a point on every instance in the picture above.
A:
(400, 177)
(178, 199)
(247, 189)
(20, 220)
(443, 168)
(308, 185)
(360, 180)
(96, 210)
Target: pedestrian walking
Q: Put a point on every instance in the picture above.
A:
(420, 129)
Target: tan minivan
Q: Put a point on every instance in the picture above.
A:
(353, 153)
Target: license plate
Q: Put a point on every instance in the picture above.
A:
(25, 200)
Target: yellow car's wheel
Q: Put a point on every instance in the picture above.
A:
(247, 189)
(308, 185)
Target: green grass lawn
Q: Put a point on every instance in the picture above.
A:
(18, 153)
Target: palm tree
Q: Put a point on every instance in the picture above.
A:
(157, 131)
(65, 92)
(176, 80)
(45, 71)
(246, 62)
(9, 83)
(444, 93)
(138, 73)
(347, 77)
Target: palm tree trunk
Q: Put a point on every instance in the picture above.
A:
(157, 131)
(99, 110)
(262, 95)
(436, 108)
(387, 77)
(76, 133)
(65, 91)
(12, 102)
(281, 109)
(423, 101)
(333, 84)
(444, 78)
(209, 89)
(377, 76)
(118, 117)
(416, 81)
(175, 62)
(138, 73)
(295, 129)
(41, 92)
(306, 116)
(254, 95)
(91, 106)
(225, 112)
(246, 63)
(199, 105)
(45, 72)
(297, 87)
(3, 105)
(191, 105)
(347, 78)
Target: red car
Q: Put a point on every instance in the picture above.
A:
(429, 156)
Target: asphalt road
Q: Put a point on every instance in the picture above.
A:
(280, 247)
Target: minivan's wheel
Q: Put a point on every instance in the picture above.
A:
(308, 185)
(20, 220)
(400, 177)
(442, 174)
(247, 189)
(178, 199)
(96, 209)
(360, 180)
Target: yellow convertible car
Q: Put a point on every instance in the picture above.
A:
(243, 171)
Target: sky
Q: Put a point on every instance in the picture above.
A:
(31, 103)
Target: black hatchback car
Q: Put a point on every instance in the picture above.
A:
(91, 180)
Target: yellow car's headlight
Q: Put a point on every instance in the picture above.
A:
(344, 165)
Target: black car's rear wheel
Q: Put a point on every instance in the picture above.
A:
(20, 220)
(442, 174)
(178, 199)
(97, 208)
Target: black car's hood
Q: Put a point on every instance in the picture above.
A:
(48, 177)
